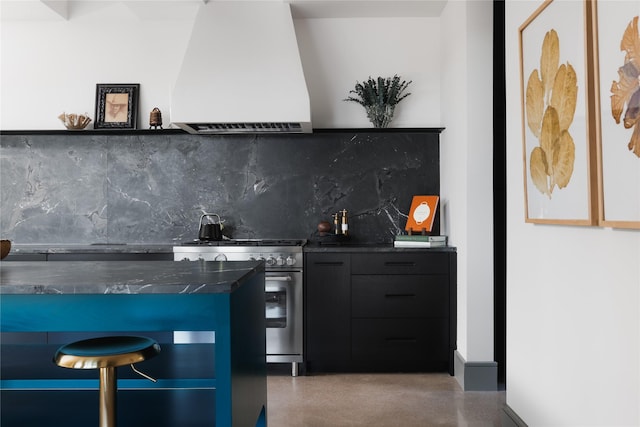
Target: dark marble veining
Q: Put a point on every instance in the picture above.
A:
(75, 188)
(124, 277)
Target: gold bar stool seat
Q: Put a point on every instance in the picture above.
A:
(106, 354)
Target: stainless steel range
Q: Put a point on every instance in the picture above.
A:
(283, 286)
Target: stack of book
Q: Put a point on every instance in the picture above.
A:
(418, 241)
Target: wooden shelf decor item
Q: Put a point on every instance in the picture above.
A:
(422, 214)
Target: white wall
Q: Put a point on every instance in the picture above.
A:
(466, 167)
(52, 65)
(573, 300)
(336, 53)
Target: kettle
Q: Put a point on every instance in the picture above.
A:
(210, 231)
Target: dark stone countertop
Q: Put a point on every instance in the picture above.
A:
(56, 248)
(124, 277)
(48, 249)
(378, 247)
(71, 248)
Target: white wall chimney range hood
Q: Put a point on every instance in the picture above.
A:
(242, 72)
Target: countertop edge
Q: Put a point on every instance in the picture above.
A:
(29, 249)
(374, 248)
(47, 249)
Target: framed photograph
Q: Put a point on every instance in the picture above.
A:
(116, 106)
(558, 147)
(616, 40)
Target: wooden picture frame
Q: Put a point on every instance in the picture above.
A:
(557, 139)
(615, 26)
(116, 105)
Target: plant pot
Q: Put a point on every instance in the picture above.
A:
(380, 115)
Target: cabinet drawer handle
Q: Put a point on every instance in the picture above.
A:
(399, 295)
(399, 263)
(396, 339)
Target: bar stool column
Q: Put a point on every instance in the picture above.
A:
(108, 396)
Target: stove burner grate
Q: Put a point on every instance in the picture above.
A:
(247, 242)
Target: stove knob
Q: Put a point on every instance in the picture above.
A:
(291, 260)
(200, 258)
(252, 258)
(271, 261)
(261, 258)
(280, 260)
(221, 257)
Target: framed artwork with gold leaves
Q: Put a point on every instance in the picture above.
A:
(617, 111)
(558, 153)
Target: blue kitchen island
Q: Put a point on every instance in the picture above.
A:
(207, 316)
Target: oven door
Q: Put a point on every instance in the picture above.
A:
(283, 293)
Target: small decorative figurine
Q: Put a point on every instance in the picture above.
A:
(155, 118)
(75, 121)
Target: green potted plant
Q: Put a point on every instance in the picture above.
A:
(379, 98)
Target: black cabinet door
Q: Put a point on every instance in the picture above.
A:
(401, 263)
(401, 344)
(406, 296)
(327, 311)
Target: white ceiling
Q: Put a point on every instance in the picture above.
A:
(36, 10)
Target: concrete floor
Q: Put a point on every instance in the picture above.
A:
(405, 400)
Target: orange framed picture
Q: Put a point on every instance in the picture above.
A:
(422, 213)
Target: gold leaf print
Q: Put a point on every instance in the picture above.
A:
(535, 103)
(626, 91)
(538, 170)
(550, 133)
(549, 60)
(632, 119)
(631, 42)
(634, 144)
(633, 110)
(622, 90)
(551, 101)
(563, 159)
(565, 95)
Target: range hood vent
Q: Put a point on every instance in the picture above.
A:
(213, 128)
(242, 72)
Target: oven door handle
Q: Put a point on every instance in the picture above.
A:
(278, 278)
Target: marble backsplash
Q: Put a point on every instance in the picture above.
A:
(146, 187)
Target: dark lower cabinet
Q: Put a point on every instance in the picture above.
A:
(327, 311)
(398, 344)
(380, 312)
